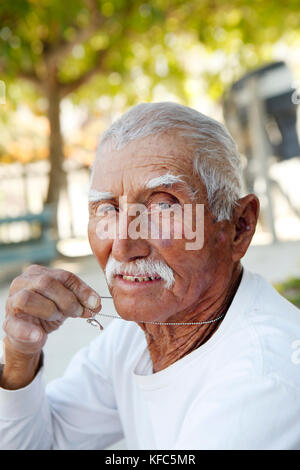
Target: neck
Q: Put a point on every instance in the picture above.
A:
(169, 343)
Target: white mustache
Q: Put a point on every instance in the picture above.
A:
(141, 268)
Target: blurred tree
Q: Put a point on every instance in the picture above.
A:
(38, 38)
(59, 46)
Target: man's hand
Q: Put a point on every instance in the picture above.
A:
(39, 301)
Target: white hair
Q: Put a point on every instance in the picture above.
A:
(94, 195)
(143, 267)
(216, 158)
(164, 180)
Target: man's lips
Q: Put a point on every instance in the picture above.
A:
(137, 279)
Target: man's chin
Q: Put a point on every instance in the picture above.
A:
(140, 307)
(144, 314)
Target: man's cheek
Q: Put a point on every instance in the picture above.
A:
(100, 248)
(91, 234)
(164, 243)
(221, 241)
(166, 226)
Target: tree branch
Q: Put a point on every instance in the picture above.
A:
(58, 52)
(31, 77)
(66, 88)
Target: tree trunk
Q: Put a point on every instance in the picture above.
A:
(57, 176)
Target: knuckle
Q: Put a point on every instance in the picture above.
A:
(70, 279)
(14, 285)
(8, 306)
(18, 302)
(33, 269)
(63, 275)
(44, 282)
(22, 299)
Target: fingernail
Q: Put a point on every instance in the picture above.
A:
(35, 335)
(79, 311)
(57, 316)
(92, 301)
(89, 313)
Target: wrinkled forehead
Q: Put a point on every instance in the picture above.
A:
(167, 152)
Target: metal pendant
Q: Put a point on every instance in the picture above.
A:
(94, 322)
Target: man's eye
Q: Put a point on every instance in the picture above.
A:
(105, 209)
(162, 201)
(164, 205)
(160, 206)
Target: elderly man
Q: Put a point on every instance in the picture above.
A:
(205, 357)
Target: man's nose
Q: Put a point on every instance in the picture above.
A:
(125, 250)
(124, 247)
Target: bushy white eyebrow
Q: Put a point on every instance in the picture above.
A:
(168, 180)
(164, 180)
(95, 195)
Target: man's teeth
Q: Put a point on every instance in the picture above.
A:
(139, 279)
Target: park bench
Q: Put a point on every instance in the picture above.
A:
(28, 238)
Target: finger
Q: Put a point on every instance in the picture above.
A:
(43, 280)
(47, 286)
(24, 335)
(34, 304)
(87, 296)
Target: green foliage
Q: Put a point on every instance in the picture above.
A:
(78, 37)
(291, 290)
(131, 47)
(31, 30)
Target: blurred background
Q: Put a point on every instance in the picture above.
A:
(68, 69)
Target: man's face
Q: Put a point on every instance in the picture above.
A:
(198, 274)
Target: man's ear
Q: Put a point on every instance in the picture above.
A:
(244, 220)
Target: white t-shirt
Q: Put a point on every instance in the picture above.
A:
(240, 390)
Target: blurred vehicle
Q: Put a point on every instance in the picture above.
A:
(261, 114)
